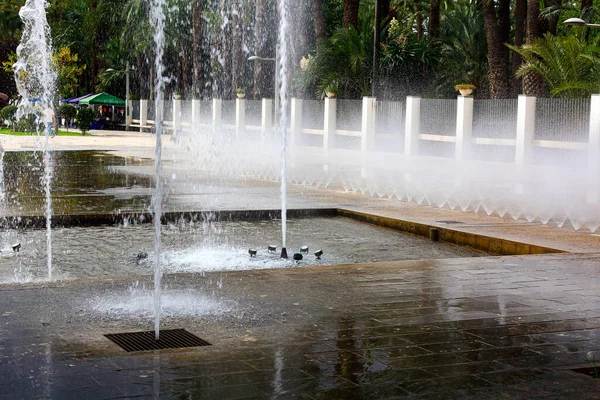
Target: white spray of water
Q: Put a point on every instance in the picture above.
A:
(35, 76)
(283, 57)
(157, 17)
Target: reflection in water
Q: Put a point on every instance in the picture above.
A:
(277, 376)
(81, 181)
(156, 376)
(348, 361)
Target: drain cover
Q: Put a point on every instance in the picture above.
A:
(450, 222)
(169, 339)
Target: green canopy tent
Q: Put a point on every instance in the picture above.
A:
(103, 98)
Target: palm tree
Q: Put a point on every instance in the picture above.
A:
(569, 66)
(533, 84)
(351, 13)
(497, 25)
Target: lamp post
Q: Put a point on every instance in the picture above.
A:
(127, 110)
(579, 22)
(276, 59)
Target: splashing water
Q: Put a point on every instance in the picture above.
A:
(283, 57)
(35, 77)
(157, 17)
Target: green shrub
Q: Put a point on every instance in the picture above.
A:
(9, 113)
(85, 116)
(32, 123)
(68, 112)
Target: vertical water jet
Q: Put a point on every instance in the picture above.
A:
(35, 77)
(157, 16)
(282, 6)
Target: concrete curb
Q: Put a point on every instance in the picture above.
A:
(488, 244)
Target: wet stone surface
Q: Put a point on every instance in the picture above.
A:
(479, 328)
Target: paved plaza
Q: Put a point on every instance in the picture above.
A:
(497, 327)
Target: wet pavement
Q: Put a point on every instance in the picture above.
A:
(473, 328)
(484, 328)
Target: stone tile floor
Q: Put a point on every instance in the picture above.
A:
(484, 328)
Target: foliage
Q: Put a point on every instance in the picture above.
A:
(68, 112)
(240, 90)
(85, 117)
(406, 60)
(463, 48)
(9, 113)
(68, 72)
(343, 61)
(7, 65)
(569, 66)
(464, 86)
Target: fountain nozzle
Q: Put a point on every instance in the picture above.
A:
(252, 252)
(16, 247)
(297, 257)
(284, 253)
(318, 254)
(272, 248)
(304, 249)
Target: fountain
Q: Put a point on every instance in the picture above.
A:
(36, 82)
(214, 153)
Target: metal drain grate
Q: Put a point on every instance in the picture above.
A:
(450, 222)
(169, 339)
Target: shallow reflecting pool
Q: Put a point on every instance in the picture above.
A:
(105, 251)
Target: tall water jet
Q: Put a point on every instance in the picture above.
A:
(35, 77)
(283, 61)
(157, 17)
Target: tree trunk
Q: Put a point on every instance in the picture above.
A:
(351, 13)
(319, 20)
(419, 22)
(198, 72)
(533, 84)
(260, 37)
(586, 7)
(587, 14)
(517, 60)
(497, 29)
(237, 52)
(552, 22)
(225, 56)
(434, 18)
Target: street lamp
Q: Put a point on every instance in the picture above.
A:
(276, 59)
(579, 22)
(127, 110)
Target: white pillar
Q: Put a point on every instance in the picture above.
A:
(217, 107)
(594, 151)
(195, 113)
(240, 116)
(128, 113)
(143, 114)
(176, 116)
(267, 117)
(464, 127)
(296, 121)
(330, 123)
(369, 112)
(412, 125)
(525, 130)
